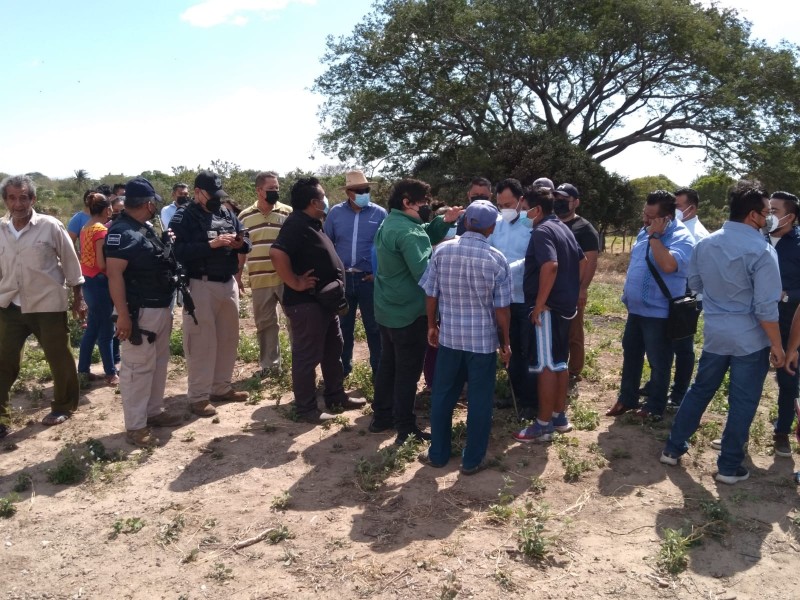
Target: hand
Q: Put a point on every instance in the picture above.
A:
(124, 327)
(433, 336)
(369, 277)
(239, 284)
(536, 314)
(238, 242)
(583, 295)
(791, 362)
(776, 356)
(505, 355)
(78, 309)
(658, 225)
(304, 282)
(224, 240)
(171, 235)
(452, 214)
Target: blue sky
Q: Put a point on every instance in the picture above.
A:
(123, 86)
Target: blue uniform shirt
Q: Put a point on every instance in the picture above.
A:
(736, 269)
(353, 233)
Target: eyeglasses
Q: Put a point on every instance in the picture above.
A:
(361, 191)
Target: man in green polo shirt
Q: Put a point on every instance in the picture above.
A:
(403, 246)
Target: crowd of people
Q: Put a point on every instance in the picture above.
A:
(501, 283)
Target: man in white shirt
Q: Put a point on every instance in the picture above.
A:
(37, 263)
(180, 196)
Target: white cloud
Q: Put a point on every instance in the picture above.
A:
(219, 12)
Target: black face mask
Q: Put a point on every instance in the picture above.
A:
(272, 196)
(424, 212)
(181, 200)
(561, 207)
(213, 204)
(115, 216)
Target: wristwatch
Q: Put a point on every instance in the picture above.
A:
(785, 297)
(654, 236)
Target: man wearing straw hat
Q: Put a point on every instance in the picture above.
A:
(351, 226)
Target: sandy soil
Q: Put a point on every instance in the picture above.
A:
(426, 533)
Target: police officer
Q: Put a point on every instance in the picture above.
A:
(208, 240)
(141, 285)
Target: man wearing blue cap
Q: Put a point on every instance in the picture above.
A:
(470, 285)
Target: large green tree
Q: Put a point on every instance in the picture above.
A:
(420, 77)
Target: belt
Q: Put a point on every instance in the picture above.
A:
(216, 278)
(358, 272)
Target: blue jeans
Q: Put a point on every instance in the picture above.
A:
(787, 384)
(99, 328)
(746, 384)
(359, 294)
(453, 368)
(522, 380)
(645, 335)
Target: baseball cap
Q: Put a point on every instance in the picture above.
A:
(141, 188)
(567, 189)
(210, 182)
(481, 214)
(544, 182)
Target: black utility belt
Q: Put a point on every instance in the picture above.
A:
(215, 278)
(156, 304)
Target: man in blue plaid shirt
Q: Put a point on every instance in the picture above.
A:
(470, 284)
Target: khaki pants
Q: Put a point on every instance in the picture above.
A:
(143, 375)
(50, 329)
(211, 346)
(265, 314)
(576, 341)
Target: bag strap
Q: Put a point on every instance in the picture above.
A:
(657, 276)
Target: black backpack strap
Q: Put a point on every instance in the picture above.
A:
(657, 276)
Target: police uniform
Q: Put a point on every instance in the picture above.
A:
(210, 345)
(149, 285)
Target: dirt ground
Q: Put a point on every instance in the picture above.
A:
(165, 524)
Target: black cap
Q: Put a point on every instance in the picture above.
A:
(210, 182)
(141, 188)
(567, 189)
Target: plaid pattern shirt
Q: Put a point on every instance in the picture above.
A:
(470, 279)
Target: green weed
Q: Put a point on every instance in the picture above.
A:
(126, 526)
(176, 342)
(170, 531)
(360, 378)
(531, 540)
(673, 555)
(7, 507)
(282, 501)
(23, 483)
(372, 472)
(279, 534)
(583, 418)
(248, 350)
(220, 573)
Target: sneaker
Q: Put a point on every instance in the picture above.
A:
(740, 475)
(417, 433)
(668, 458)
(203, 408)
(349, 404)
(165, 419)
(315, 417)
(673, 405)
(780, 443)
(426, 460)
(477, 468)
(535, 433)
(376, 427)
(230, 396)
(561, 424)
(267, 373)
(716, 444)
(141, 438)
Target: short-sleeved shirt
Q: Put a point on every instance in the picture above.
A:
(302, 239)
(585, 234)
(552, 241)
(89, 236)
(263, 230)
(470, 279)
(77, 222)
(147, 276)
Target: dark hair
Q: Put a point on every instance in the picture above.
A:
(691, 195)
(541, 197)
(665, 201)
(104, 189)
(97, 203)
(744, 199)
(264, 175)
(117, 187)
(510, 184)
(480, 182)
(86, 197)
(790, 202)
(234, 206)
(304, 191)
(413, 190)
(20, 181)
(179, 186)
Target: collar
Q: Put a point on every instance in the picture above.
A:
(311, 221)
(474, 235)
(415, 220)
(35, 218)
(742, 229)
(548, 218)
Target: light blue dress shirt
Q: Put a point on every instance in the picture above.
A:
(353, 233)
(512, 240)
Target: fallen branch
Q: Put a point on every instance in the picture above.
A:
(253, 540)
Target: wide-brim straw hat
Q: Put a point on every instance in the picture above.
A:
(355, 179)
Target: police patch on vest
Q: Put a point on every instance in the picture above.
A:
(211, 234)
(177, 217)
(113, 239)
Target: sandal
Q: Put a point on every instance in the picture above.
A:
(112, 379)
(55, 418)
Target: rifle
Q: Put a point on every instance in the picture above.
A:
(180, 277)
(136, 332)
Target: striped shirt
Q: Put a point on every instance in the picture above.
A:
(470, 279)
(263, 230)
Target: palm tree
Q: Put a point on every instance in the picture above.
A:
(81, 177)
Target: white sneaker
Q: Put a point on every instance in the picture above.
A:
(741, 475)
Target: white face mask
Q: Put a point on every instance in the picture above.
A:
(508, 214)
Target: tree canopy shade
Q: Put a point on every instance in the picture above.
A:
(417, 77)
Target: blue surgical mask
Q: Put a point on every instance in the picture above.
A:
(362, 200)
